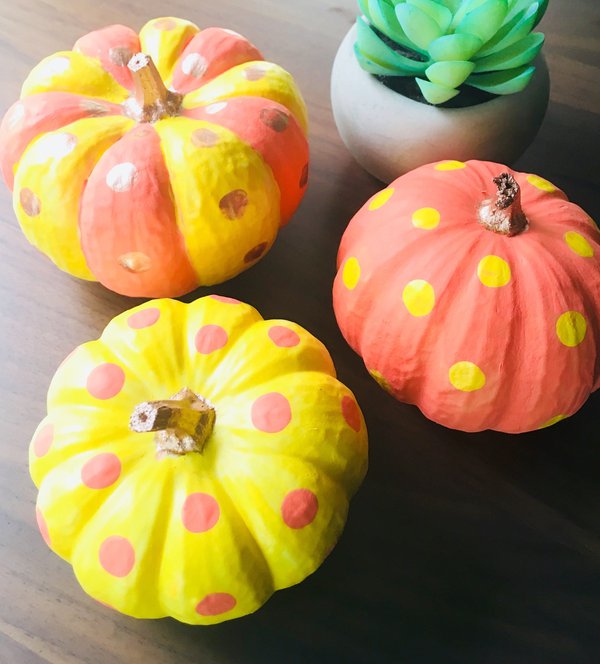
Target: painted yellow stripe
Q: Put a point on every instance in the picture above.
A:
(49, 182)
(163, 39)
(226, 198)
(68, 71)
(258, 79)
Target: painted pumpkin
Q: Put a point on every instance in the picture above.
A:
(196, 458)
(473, 291)
(159, 162)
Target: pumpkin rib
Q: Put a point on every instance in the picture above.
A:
(130, 240)
(271, 130)
(254, 79)
(49, 213)
(242, 212)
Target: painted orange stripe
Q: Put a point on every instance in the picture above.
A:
(272, 131)
(32, 116)
(127, 222)
(113, 46)
(210, 53)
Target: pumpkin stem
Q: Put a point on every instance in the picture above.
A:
(152, 99)
(504, 215)
(183, 423)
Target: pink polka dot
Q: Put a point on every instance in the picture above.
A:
(351, 413)
(283, 337)
(210, 338)
(224, 299)
(105, 381)
(117, 556)
(41, 522)
(200, 512)
(43, 440)
(101, 471)
(271, 412)
(299, 508)
(215, 604)
(143, 318)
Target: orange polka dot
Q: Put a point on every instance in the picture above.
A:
(351, 413)
(299, 508)
(105, 381)
(215, 604)
(43, 440)
(210, 338)
(101, 471)
(43, 527)
(143, 318)
(117, 555)
(200, 512)
(271, 412)
(283, 337)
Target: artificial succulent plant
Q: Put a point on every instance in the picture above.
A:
(445, 44)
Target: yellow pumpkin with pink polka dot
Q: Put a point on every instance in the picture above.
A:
(195, 459)
(473, 292)
(158, 162)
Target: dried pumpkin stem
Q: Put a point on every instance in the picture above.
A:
(153, 100)
(183, 423)
(504, 215)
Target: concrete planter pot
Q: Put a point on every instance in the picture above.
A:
(390, 134)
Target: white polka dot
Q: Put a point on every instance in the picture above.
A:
(52, 146)
(16, 115)
(194, 65)
(216, 108)
(55, 66)
(122, 176)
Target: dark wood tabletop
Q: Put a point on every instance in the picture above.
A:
(459, 547)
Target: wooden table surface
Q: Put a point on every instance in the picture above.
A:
(458, 548)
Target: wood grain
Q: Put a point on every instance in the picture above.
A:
(459, 548)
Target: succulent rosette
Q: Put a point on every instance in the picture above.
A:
(446, 44)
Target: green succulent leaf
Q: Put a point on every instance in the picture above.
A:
(515, 55)
(452, 5)
(363, 5)
(420, 28)
(440, 14)
(434, 93)
(523, 5)
(502, 82)
(373, 67)
(465, 6)
(454, 47)
(450, 74)
(383, 17)
(373, 49)
(512, 31)
(484, 21)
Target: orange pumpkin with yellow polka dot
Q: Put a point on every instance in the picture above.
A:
(195, 459)
(473, 291)
(159, 162)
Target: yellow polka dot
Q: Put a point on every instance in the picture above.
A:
(381, 381)
(450, 165)
(571, 328)
(426, 218)
(493, 271)
(553, 420)
(579, 244)
(418, 297)
(351, 273)
(540, 183)
(466, 376)
(381, 198)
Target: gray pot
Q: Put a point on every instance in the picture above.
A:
(390, 134)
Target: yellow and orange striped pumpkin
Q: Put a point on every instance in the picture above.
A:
(155, 188)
